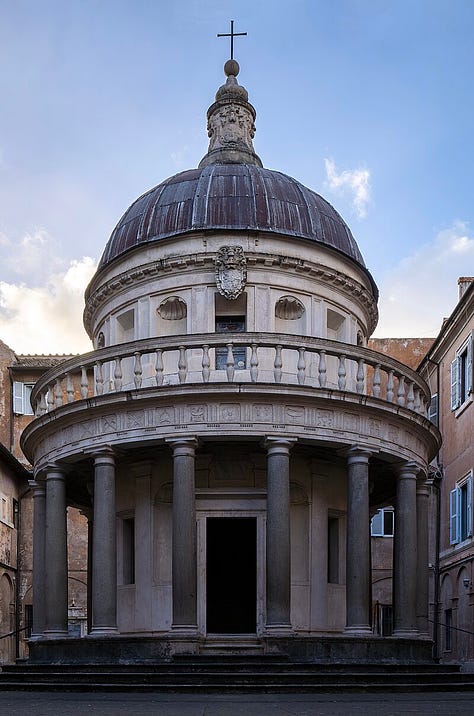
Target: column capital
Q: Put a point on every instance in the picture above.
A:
(358, 454)
(278, 445)
(38, 488)
(101, 453)
(54, 471)
(104, 457)
(183, 446)
(408, 470)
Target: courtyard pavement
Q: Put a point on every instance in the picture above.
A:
(22, 703)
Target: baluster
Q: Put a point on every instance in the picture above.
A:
(424, 405)
(301, 366)
(376, 382)
(277, 372)
(49, 398)
(84, 383)
(206, 364)
(410, 396)
(401, 390)
(417, 404)
(69, 388)
(254, 364)
(322, 369)
(159, 367)
(99, 379)
(390, 386)
(360, 376)
(41, 405)
(137, 370)
(182, 365)
(230, 363)
(341, 372)
(118, 374)
(58, 394)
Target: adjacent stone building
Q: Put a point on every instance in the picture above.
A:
(18, 374)
(448, 369)
(231, 433)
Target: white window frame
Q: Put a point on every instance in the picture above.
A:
(461, 374)
(433, 409)
(21, 398)
(456, 510)
(377, 523)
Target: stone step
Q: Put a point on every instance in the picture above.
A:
(235, 676)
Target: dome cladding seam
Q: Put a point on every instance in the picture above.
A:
(257, 199)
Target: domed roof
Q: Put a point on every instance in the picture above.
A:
(230, 196)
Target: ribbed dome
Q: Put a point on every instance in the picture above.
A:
(233, 196)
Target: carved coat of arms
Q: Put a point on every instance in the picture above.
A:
(231, 271)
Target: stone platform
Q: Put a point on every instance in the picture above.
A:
(161, 649)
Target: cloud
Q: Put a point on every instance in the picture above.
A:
(352, 182)
(422, 288)
(47, 317)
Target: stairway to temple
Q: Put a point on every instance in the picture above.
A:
(228, 674)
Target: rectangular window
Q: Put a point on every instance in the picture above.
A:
(460, 511)
(22, 398)
(386, 618)
(231, 324)
(28, 620)
(125, 328)
(461, 374)
(333, 550)
(433, 409)
(448, 629)
(382, 523)
(128, 550)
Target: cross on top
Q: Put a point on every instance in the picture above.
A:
(231, 34)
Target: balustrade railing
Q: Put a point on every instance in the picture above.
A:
(177, 360)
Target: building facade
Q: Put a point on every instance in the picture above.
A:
(448, 369)
(231, 433)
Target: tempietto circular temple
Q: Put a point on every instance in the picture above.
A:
(230, 435)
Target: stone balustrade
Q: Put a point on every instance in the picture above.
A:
(318, 363)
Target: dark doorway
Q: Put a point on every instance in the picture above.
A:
(231, 575)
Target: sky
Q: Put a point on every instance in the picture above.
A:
(368, 102)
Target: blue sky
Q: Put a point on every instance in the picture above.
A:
(368, 102)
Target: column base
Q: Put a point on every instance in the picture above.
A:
(184, 629)
(406, 633)
(279, 629)
(104, 631)
(55, 634)
(358, 630)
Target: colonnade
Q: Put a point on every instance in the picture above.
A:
(410, 564)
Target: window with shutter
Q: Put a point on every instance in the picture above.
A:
(18, 398)
(22, 398)
(460, 511)
(462, 375)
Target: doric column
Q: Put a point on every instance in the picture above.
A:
(405, 553)
(422, 587)
(104, 547)
(278, 574)
(358, 543)
(55, 553)
(39, 587)
(184, 557)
